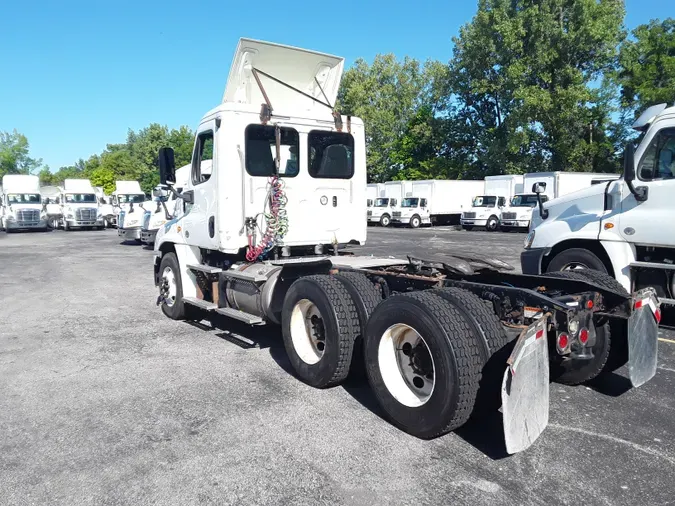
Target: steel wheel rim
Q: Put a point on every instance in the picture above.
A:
(385, 221)
(406, 365)
(308, 331)
(416, 222)
(169, 281)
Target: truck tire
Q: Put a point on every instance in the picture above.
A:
(170, 282)
(415, 221)
(366, 296)
(319, 325)
(385, 220)
(494, 342)
(575, 259)
(492, 224)
(611, 345)
(467, 227)
(423, 363)
(66, 228)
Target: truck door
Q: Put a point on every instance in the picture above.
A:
(199, 223)
(651, 222)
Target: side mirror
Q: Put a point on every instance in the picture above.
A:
(538, 188)
(167, 166)
(157, 192)
(640, 193)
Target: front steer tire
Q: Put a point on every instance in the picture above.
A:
(453, 348)
(611, 345)
(319, 349)
(176, 311)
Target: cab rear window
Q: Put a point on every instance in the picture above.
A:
(331, 155)
(261, 151)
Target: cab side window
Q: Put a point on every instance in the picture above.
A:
(658, 161)
(202, 162)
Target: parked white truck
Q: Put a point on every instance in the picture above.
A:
(436, 202)
(21, 206)
(486, 209)
(260, 242)
(624, 227)
(518, 214)
(166, 206)
(372, 193)
(80, 207)
(388, 201)
(51, 196)
(130, 200)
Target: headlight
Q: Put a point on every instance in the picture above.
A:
(529, 240)
(11, 218)
(70, 215)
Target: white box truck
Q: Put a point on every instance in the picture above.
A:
(436, 201)
(486, 209)
(166, 207)
(80, 207)
(372, 192)
(518, 213)
(261, 244)
(624, 227)
(130, 200)
(21, 206)
(388, 201)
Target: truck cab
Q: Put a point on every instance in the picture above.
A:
(382, 211)
(21, 205)
(166, 206)
(518, 214)
(80, 207)
(413, 211)
(623, 227)
(130, 200)
(485, 212)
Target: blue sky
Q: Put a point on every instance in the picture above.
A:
(77, 74)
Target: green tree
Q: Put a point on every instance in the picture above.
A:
(647, 65)
(105, 178)
(386, 95)
(14, 154)
(524, 75)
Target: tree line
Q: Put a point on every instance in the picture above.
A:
(532, 85)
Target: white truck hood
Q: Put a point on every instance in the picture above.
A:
(589, 200)
(304, 70)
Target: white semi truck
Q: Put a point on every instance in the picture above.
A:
(518, 214)
(130, 200)
(166, 207)
(262, 242)
(50, 198)
(21, 206)
(486, 209)
(80, 207)
(435, 201)
(624, 227)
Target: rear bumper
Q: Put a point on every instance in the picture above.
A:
(530, 260)
(129, 234)
(148, 236)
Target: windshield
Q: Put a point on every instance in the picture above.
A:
(23, 198)
(137, 198)
(381, 202)
(524, 201)
(81, 198)
(484, 201)
(410, 202)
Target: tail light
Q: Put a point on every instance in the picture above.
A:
(583, 336)
(562, 342)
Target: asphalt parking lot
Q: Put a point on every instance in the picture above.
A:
(103, 400)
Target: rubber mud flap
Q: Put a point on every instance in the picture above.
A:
(525, 388)
(643, 333)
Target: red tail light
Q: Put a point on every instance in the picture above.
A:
(563, 341)
(657, 315)
(589, 304)
(583, 336)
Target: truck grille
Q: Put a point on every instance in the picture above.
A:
(396, 214)
(370, 213)
(85, 214)
(146, 220)
(25, 216)
(470, 215)
(508, 216)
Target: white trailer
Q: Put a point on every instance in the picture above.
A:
(624, 227)
(518, 213)
(486, 209)
(21, 206)
(261, 244)
(436, 202)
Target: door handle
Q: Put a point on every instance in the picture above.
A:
(334, 201)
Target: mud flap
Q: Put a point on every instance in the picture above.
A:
(525, 388)
(643, 333)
